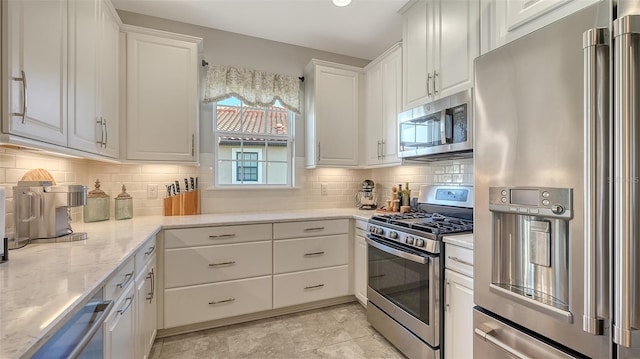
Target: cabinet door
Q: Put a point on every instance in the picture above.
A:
(416, 28)
(146, 314)
(84, 24)
(119, 339)
(108, 78)
(162, 98)
(37, 45)
(373, 115)
(458, 316)
(456, 45)
(391, 106)
(360, 268)
(515, 18)
(336, 123)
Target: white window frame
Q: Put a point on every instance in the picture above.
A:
(263, 163)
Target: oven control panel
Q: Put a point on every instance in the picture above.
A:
(404, 238)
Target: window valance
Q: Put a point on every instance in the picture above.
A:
(255, 88)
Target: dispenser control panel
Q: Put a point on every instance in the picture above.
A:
(535, 201)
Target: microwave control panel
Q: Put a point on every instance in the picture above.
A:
(534, 201)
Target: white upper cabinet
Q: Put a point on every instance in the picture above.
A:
(383, 101)
(440, 41)
(162, 96)
(504, 21)
(36, 81)
(61, 76)
(332, 109)
(94, 29)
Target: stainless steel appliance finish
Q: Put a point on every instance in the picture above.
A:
(441, 129)
(571, 125)
(405, 287)
(42, 211)
(82, 335)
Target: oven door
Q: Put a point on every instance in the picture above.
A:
(404, 284)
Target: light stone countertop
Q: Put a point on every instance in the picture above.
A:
(461, 240)
(43, 284)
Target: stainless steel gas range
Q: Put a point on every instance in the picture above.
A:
(406, 268)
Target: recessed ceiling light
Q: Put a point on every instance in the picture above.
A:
(341, 2)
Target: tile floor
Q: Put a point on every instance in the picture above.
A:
(339, 331)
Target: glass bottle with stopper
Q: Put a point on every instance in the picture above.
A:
(97, 207)
(124, 205)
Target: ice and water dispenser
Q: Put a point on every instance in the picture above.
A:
(530, 244)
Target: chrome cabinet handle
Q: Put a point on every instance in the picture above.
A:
(383, 155)
(318, 152)
(150, 250)
(497, 342)
(124, 310)
(222, 236)
(221, 264)
(456, 259)
(447, 295)
(435, 88)
(428, 84)
(23, 79)
(128, 278)
(378, 149)
(193, 144)
(106, 132)
(626, 231)
(150, 294)
(313, 229)
(222, 301)
(314, 286)
(314, 254)
(101, 140)
(596, 183)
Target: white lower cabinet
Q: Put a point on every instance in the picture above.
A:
(360, 263)
(458, 311)
(308, 286)
(119, 327)
(146, 309)
(201, 303)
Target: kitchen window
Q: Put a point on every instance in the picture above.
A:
(253, 144)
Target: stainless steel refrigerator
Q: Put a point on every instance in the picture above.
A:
(557, 176)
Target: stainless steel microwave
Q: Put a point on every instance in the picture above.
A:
(438, 130)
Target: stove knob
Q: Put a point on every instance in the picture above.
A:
(408, 240)
(419, 242)
(393, 235)
(557, 209)
(372, 229)
(379, 231)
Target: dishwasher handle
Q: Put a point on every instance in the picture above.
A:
(104, 309)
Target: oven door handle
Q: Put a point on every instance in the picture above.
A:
(396, 252)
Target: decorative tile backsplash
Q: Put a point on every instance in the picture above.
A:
(342, 184)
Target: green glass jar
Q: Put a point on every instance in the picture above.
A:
(124, 205)
(97, 207)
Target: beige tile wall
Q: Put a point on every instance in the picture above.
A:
(342, 183)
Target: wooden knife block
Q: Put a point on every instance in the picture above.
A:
(184, 204)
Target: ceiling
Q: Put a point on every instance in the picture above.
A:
(363, 29)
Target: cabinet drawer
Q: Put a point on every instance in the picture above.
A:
(308, 286)
(459, 259)
(119, 280)
(310, 228)
(291, 255)
(144, 254)
(178, 238)
(202, 303)
(199, 265)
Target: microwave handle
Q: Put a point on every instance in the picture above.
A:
(443, 127)
(448, 126)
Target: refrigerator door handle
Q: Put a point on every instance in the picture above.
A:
(596, 185)
(626, 296)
